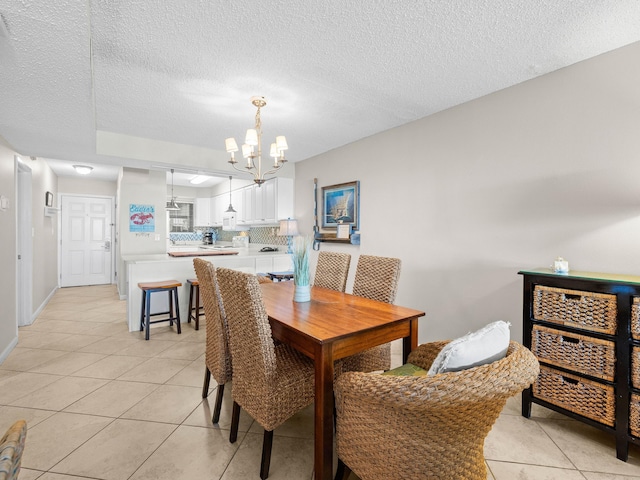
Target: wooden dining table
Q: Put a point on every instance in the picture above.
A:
(332, 326)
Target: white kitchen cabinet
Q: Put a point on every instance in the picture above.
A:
(216, 218)
(247, 214)
(203, 212)
(282, 263)
(237, 200)
(273, 201)
(255, 205)
(274, 263)
(264, 265)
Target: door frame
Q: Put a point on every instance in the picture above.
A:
(24, 242)
(113, 232)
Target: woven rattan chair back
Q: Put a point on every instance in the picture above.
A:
(446, 417)
(217, 350)
(271, 383)
(377, 278)
(217, 358)
(250, 339)
(11, 448)
(332, 270)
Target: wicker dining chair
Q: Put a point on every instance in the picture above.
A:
(419, 427)
(11, 448)
(216, 359)
(376, 278)
(270, 382)
(332, 270)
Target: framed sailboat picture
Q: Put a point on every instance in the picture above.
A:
(341, 205)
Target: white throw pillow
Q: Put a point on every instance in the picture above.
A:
(484, 346)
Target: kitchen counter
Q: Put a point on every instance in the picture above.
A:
(202, 253)
(155, 267)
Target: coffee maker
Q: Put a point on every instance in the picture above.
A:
(207, 238)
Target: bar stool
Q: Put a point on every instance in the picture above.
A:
(194, 302)
(169, 286)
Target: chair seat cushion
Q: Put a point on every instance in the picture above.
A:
(483, 346)
(407, 370)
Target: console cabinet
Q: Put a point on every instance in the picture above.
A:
(584, 329)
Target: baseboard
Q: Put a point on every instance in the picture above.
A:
(43, 304)
(5, 353)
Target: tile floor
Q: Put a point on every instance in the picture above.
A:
(101, 403)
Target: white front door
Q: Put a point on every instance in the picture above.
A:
(85, 240)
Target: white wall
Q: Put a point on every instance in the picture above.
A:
(45, 247)
(147, 187)
(8, 323)
(87, 186)
(470, 196)
(45, 239)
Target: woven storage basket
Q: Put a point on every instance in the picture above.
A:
(586, 310)
(579, 395)
(587, 355)
(635, 318)
(634, 415)
(635, 367)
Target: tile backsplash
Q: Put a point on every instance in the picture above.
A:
(266, 235)
(186, 237)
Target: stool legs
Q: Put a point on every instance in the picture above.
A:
(194, 297)
(177, 317)
(197, 320)
(145, 311)
(147, 321)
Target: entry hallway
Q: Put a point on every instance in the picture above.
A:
(102, 403)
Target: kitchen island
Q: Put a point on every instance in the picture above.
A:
(156, 267)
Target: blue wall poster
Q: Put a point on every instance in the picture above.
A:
(142, 218)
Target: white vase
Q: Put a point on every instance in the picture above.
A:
(302, 293)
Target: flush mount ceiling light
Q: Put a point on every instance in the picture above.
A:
(198, 179)
(172, 205)
(252, 148)
(83, 169)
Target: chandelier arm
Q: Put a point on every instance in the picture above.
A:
(275, 169)
(242, 170)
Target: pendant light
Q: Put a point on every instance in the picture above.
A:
(172, 205)
(230, 209)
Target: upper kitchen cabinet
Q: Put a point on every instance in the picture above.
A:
(272, 201)
(247, 214)
(203, 215)
(255, 205)
(219, 204)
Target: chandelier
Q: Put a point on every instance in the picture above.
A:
(252, 148)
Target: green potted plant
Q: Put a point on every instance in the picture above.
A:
(301, 277)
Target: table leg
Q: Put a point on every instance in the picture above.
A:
(323, 448)
(411, 342)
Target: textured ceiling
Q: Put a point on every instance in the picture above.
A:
(333, 71)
